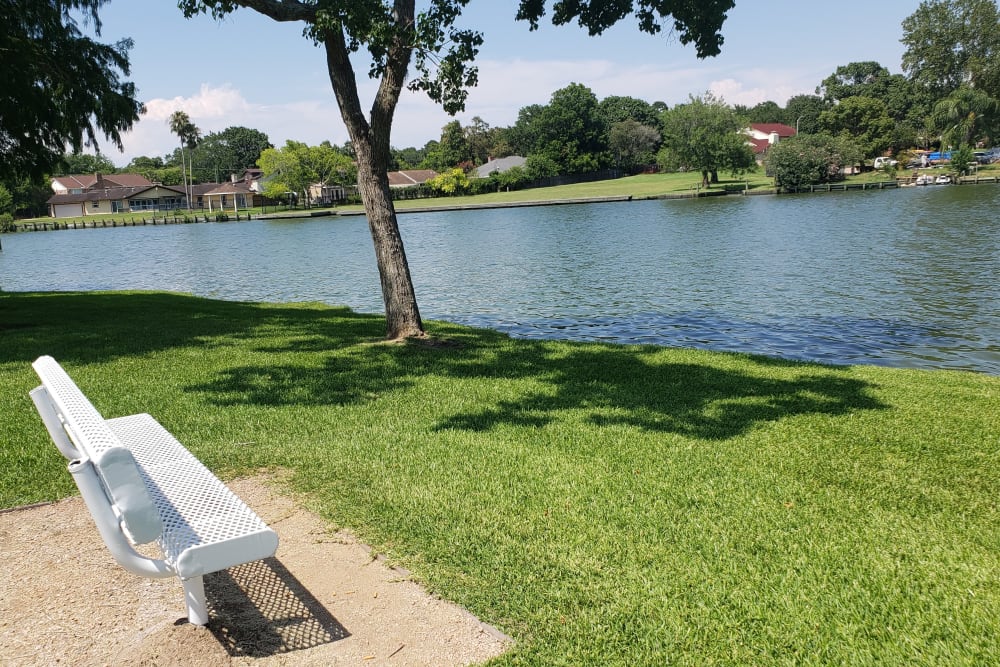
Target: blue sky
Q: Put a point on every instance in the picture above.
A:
(248, 70)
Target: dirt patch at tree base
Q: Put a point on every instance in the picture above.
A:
(324, 599)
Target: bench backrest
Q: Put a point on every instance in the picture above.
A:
(82, 422)
(66, 411)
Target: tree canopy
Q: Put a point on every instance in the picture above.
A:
(61, 88)
(296, 167)
(568, 131)
(705, 135)
(230, 151)
(953, 42)
(85, 163)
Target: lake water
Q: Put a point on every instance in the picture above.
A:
(900, 277)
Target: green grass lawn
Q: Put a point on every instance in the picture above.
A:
(602, 504)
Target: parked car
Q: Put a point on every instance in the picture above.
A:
(882, 162)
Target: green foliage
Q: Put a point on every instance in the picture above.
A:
(296, 167)
(154, 169)
(541, 166)
(451, 150)
(963, 160)
(84, 163)
(618, 109)
(186, 131)
(452, 182)
(953, 42)
(808, 159)
(60, 87)
(481, 140)
(803, 112)
(864, 119)
(765, 112)
(512, 179)
(231, 151)
(29, 196)
(407, 158)
(697, 23)
(6, 222)
(633, 144)
(966, 116)
(6, 200)
(705, 135)
(567, 132)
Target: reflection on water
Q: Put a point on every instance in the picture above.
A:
(898, 278)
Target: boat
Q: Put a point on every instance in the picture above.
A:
(924, 179)
(943, 180)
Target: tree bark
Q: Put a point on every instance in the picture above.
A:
(372, 150)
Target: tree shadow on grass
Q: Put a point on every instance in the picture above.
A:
(95, 327)
(641, 387)
(644, 387)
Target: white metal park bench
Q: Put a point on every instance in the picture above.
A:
(141, 485)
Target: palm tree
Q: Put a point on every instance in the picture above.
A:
(967, 113)
(189, 134)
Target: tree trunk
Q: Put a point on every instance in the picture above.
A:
(401, 311)
(187, 198)
(372, 150)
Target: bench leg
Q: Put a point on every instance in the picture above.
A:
(194, 596)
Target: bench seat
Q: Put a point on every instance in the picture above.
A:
(205, 525)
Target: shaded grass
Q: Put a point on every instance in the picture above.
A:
(602, 504)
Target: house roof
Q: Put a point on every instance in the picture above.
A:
(400, 179)
(239, 187)
(500, 165)
(104, 194)
(89, 181)
(759, 145)
(784, 131)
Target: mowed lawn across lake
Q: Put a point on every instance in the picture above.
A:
(601, 504)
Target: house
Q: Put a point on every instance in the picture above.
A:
(325, 194)
(410, 177)
(499, 165)
(762, 136)
(103, 196)
(227, 196)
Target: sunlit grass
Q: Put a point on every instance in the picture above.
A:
(602, 504)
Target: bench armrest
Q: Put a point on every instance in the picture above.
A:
(108, 524)
(127, 492)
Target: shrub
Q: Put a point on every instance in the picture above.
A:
(452, 182)
(809, 158)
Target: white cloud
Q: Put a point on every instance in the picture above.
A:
(214, 108)
(504, 88)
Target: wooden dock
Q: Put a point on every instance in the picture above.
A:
(55, 225)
